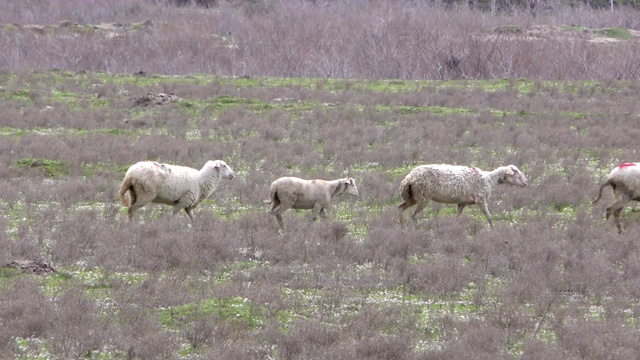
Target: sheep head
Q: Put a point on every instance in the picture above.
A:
(225, 171)
(351, 187)
(514, 176)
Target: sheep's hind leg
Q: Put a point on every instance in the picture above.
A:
(404, 206)
(418, 210)
(280, 221)
(275, 204)
(616, 209)
(278, 213)
(616, 217)
(141, 199)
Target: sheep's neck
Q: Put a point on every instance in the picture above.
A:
(495, 176)
(336, 187)
(208, 181)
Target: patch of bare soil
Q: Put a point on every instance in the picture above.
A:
(109, 30)
(32, 267)
(154, 99)
(558, 33)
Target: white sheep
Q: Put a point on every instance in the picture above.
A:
(625, 181)
(179, 186)
(295, 193)
(452, 184)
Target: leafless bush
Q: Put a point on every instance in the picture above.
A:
(349, 39)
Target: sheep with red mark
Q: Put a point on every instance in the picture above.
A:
(451, 184)
(624, 179)
(179, 186)
(295, 193)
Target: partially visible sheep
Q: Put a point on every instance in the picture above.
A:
(295, 193)
(452, 184)
(625, 181)
(179, 186)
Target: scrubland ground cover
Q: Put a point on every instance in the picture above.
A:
(551, 280)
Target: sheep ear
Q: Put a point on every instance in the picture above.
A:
(509, 172)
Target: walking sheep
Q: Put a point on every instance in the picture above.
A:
(452, 184)
(625, 181)
(179, 186)
(295, 193)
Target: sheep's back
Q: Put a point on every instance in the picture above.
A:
(629, 177)
(304, 189)
(448, 182)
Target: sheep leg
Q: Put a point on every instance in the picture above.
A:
(616, 217)
(188, 211)
(485, 210)
(460, 208)
(317, 209)
(278, 210)
(280, 221)
(404, 206)
(323, 213)
(275, 206)
(176, 209)
(417, 211)
(142, 198)
(616, 209)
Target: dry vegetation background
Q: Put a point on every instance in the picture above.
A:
(335, 39)
(295, 88)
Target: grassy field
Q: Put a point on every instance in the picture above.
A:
(550, 280)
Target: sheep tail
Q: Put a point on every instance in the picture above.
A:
(406, 193)
(608, 183)
(127, 186)
(272, 197)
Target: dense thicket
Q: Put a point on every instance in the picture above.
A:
(342, 39)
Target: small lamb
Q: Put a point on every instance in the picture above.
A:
(179, 186)
(625, 181)
(451, 184)
(295, 193)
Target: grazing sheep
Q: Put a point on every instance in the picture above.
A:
(452, 184)
(180, 186)
(625, 181)
(295, 193)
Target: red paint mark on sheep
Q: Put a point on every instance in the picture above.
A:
(623, 165)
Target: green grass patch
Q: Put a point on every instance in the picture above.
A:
(615, 33)
(9, 131)
(51, 167)
(238, 311)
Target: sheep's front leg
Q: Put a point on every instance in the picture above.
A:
(460, 208)
(176, 208)
(323, 213)
(317, 209)
(188, 211)
(485, 209)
